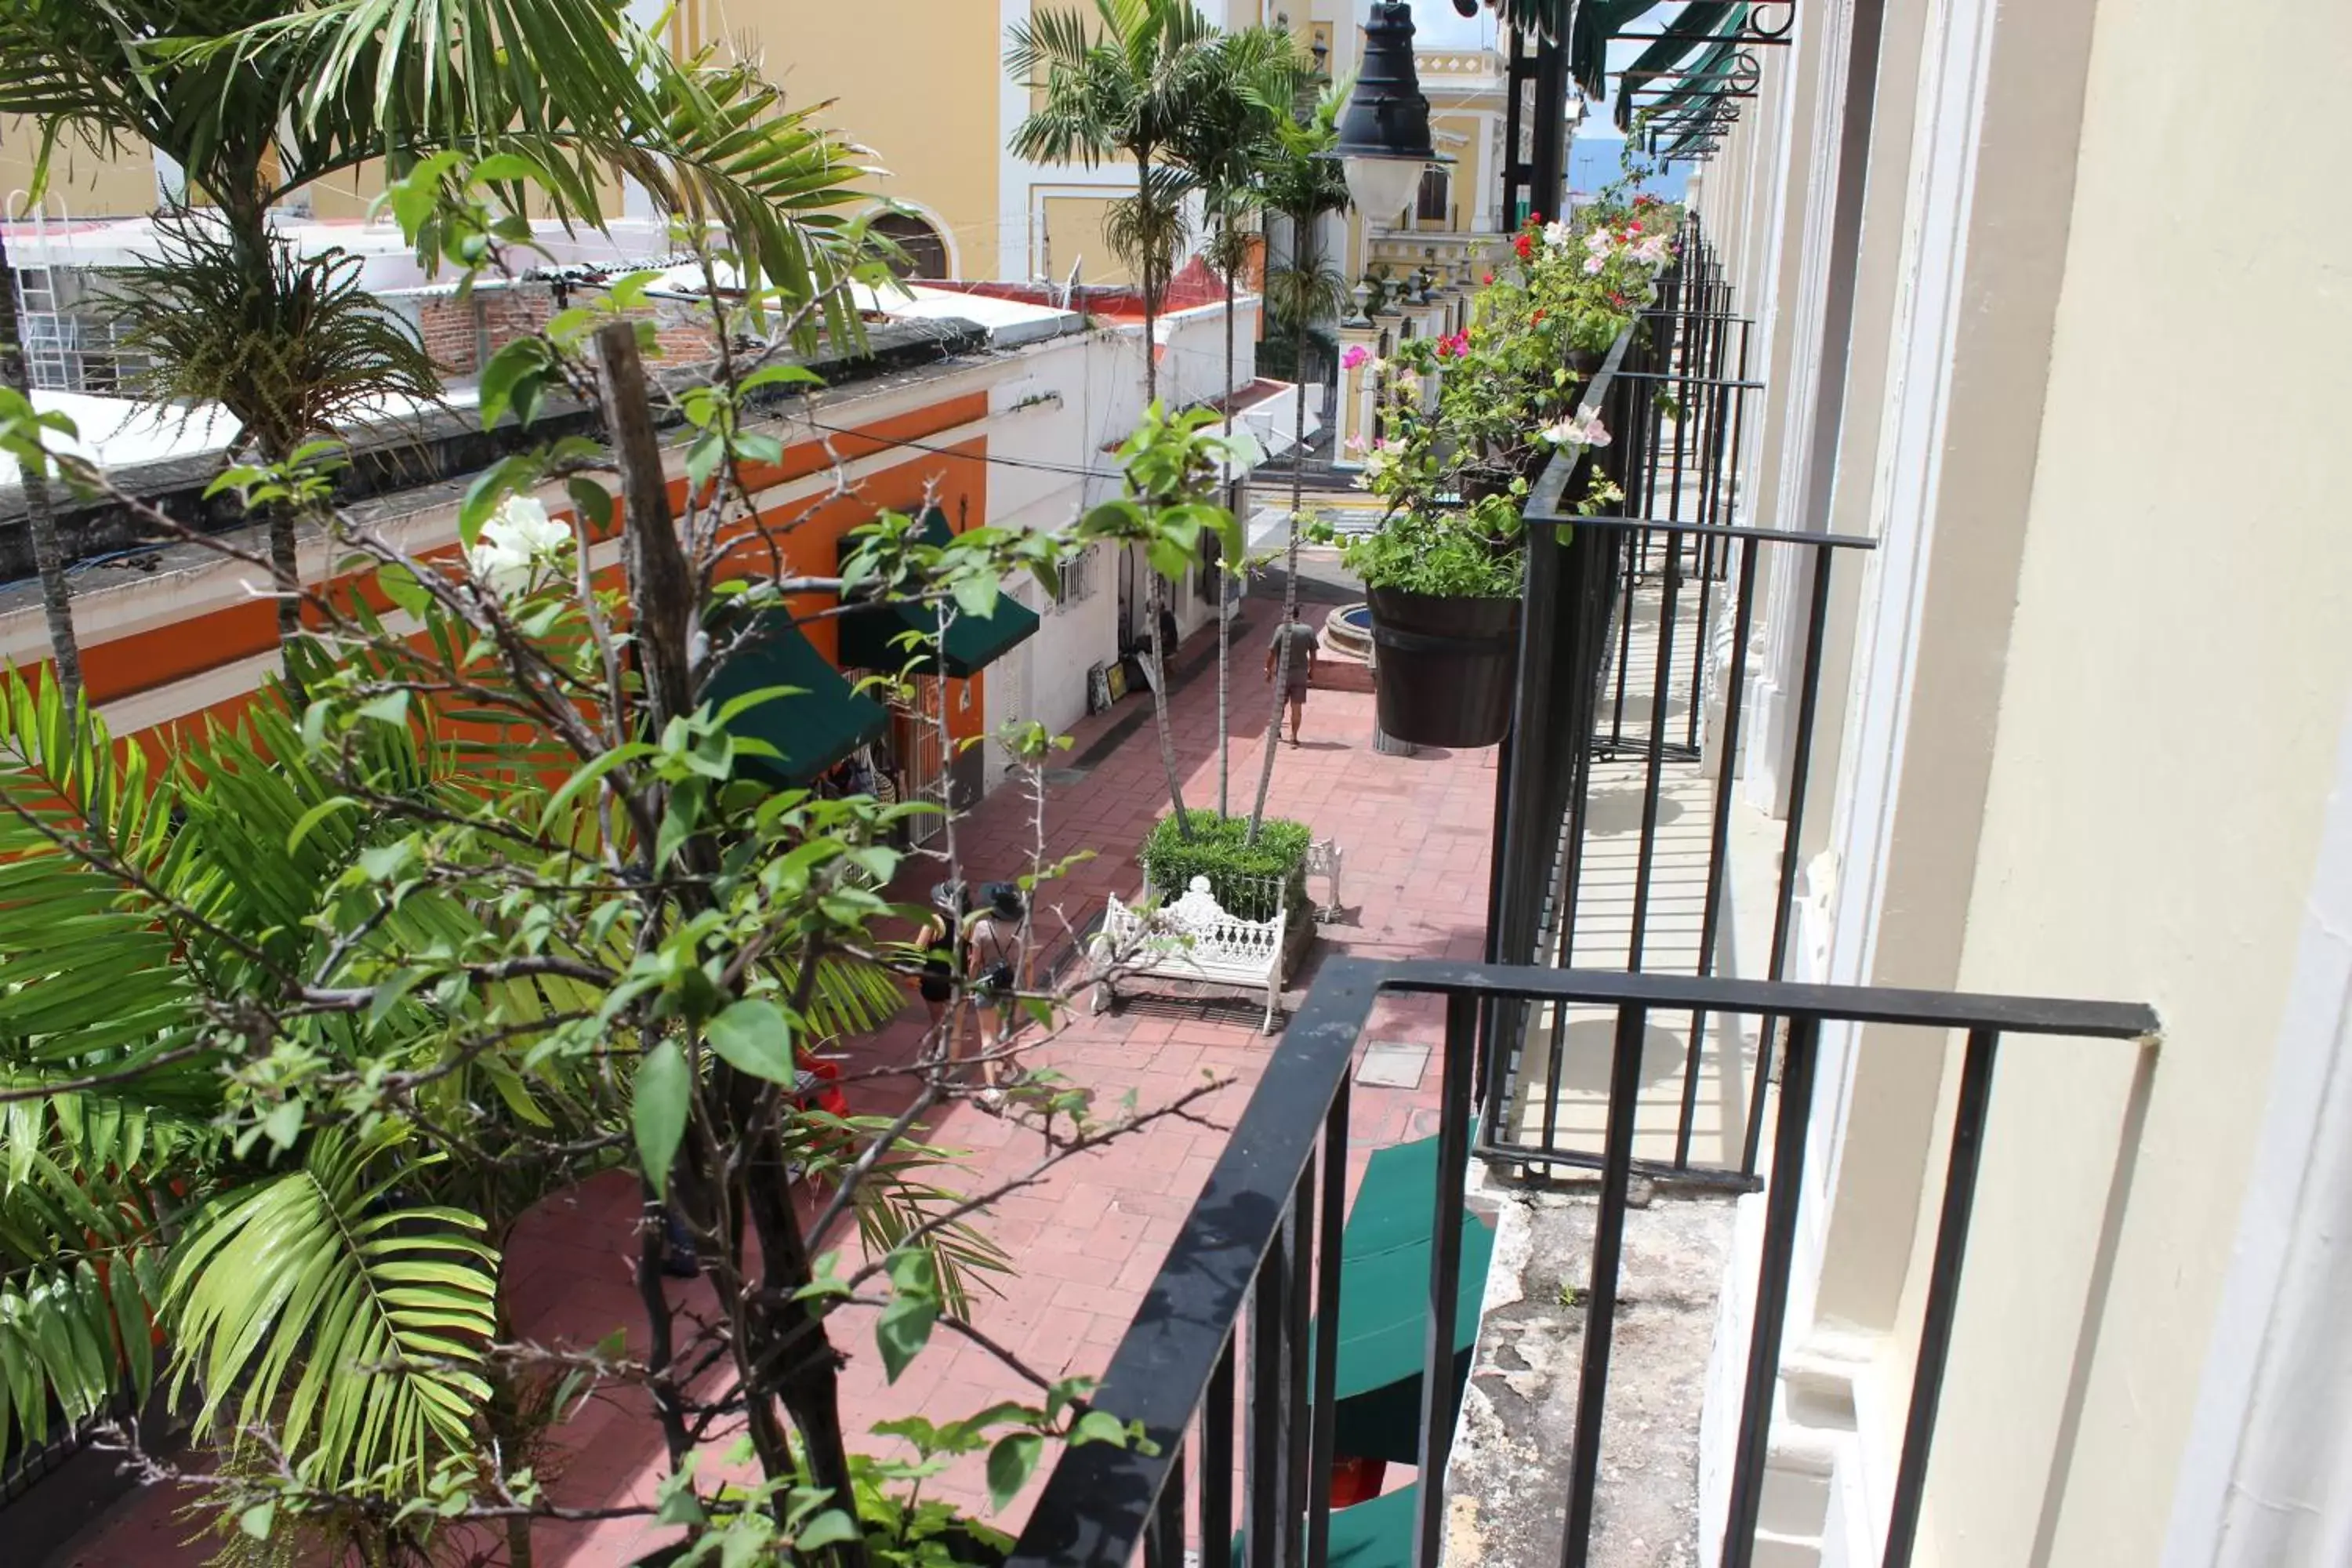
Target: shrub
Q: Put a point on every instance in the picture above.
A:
(1246, 878)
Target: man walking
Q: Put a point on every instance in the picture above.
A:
(1300, 638)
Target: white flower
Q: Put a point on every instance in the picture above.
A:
(1408, 383)
(1578, 430)
(1595, 264)
(1600, 241)
(1652, 252)
(516, 544)
(1556, 234)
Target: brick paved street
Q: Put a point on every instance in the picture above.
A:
(1087, 1239)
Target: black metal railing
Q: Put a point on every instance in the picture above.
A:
(1235, 1387)
(1640, 622)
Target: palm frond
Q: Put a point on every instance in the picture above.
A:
(290, 344)
(324, 1302)
(79, 1270)
(88, 975)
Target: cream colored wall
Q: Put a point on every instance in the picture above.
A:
(914, 80)
(82, 183)
(1468, 170)
(1074, 237)
(2181, 662)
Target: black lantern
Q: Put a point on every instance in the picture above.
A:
(1384, 135)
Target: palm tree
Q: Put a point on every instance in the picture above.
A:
(345, 1291)
(1303, 185)
(40, 514)
(257, 99)
(1125, 84)
(1256, 73)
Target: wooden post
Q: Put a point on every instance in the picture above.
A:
(661, 579)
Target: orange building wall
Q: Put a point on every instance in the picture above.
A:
(809, 535)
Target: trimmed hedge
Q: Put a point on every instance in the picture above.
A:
(1240, 875)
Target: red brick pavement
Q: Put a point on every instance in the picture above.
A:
(1088, 1238)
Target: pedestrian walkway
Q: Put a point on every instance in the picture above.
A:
(1087, 1238)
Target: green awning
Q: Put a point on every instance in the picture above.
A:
(820, 723)
(1376, 1533)
(875, 637)
(1384, 1256)
(1384, 1311)
(1394, 1203)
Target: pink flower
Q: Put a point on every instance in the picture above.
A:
(1354, 357)
(1356, 444)
(1579, 431)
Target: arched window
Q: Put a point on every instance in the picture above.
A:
(1435, 188)
(926, 254)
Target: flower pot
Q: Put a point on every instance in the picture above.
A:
(1444, 668)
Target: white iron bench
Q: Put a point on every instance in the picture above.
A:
(1193, 939)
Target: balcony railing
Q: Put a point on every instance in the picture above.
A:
(1227, 1372)
(1639, 630)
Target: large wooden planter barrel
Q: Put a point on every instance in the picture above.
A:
(1444, 670)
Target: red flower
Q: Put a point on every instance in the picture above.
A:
(1633, 229)
(1490, 277)
(1525, 246)
(1535, 220)
(1538, 320)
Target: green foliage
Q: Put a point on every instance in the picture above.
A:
(1246, 877)
(355, 1317)
(290, 344)
(1451, 554)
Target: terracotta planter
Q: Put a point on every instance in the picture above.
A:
(1445, 669)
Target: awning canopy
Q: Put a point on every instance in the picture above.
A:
(821, 721)
(875, 637)
(1684, 91)
(1375, 1534)
(1383, 1332)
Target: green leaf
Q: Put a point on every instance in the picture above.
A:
(401, 586)
(1011, 1464)
(587, 775)
(257, 1519)
(508, 373)
(778, 374)
(903, 1329)
(1169, 558)
(315, 815)
(392, 708)
(752, 1037)
(510, 166)
(594, 502)
(658, 1111)
(385, 862)
(830, 1528)
(977, 596)
(1099, 1427)
(703, 458)
(284, 1124)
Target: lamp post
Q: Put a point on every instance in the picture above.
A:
(1384, 133)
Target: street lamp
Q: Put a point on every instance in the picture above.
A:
(1384, 135)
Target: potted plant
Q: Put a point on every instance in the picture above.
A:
(1444, 585)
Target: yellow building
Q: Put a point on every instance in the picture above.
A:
(921, 83)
